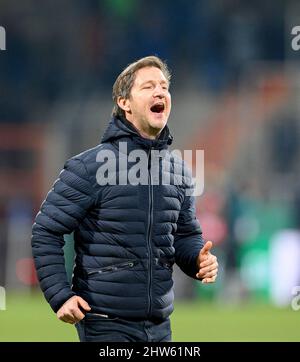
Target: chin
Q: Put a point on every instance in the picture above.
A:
(158, 123)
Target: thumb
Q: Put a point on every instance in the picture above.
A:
(83, 304)
(206, 248)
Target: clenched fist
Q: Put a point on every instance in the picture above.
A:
(70, 311)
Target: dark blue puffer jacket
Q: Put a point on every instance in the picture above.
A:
(127, 237)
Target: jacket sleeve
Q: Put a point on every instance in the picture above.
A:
(188, 239)
(65, 206)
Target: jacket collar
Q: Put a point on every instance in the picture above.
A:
(121, 130)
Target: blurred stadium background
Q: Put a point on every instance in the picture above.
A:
(235, 95)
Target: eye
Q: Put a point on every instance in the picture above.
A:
(147, 87)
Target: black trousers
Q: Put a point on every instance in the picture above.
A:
(95, 328)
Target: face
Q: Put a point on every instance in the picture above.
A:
(149, 105)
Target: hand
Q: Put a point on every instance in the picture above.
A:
(70, 311)
(207, 264)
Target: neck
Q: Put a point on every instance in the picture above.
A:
(149, 132)
(152, 135)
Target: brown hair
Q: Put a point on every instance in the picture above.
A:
(124, 82)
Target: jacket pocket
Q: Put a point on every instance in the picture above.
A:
(112, 268)
(166, 264)
(89, 316)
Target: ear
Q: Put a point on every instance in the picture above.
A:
(124, 104)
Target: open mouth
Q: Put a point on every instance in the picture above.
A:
(157, 108)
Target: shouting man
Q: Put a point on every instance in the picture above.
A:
(129, 226)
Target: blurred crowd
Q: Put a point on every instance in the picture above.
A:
(65, 49)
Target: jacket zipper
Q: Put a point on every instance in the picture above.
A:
(150, 220)
(111, 268)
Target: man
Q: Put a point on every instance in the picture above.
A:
(127, 235)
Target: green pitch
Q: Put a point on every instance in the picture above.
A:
(29, 318)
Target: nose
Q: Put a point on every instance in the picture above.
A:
(159, 91)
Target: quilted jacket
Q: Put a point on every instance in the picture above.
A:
(127, 236)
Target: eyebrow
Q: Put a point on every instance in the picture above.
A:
(152, 81)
